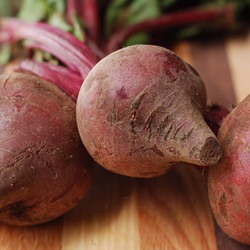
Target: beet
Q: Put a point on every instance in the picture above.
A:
(45, 170)
(229, 180)
(140, 112)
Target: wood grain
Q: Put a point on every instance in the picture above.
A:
(224, 58)
(238, 52)
(210, 60)
(47, 236)
(170, 212)
(174, 211)
(107, 218)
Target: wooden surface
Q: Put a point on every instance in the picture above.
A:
(170, 212)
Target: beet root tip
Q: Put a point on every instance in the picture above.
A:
(211, 152)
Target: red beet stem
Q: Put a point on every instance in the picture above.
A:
(67, 80)
(75, 54)
(90, 16)
(79, 45)
(178, 19)
(69, 60)
(73, 7)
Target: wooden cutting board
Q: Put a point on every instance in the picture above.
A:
(170, 212)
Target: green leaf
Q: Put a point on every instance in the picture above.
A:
(188, 32)
(58, 21)
(122, 13)
(9, 7)
(5, 53)
(33, 10)
(4, 8)
(57, 5)
(140, 38)
(115, 10)
(77, 29)
(141, 10)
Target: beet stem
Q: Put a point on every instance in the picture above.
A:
(90, 17)
(75, 54)
(178, 19)
(67, 80)
(73, 7)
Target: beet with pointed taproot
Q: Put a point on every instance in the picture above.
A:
(140, 112)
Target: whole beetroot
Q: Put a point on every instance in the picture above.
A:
(140, 112)
(229, 181)
(44, 169)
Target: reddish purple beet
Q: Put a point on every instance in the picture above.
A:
(139, 112)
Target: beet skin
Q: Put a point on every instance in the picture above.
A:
(140, 112)
(229, 181)
(44, 168)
